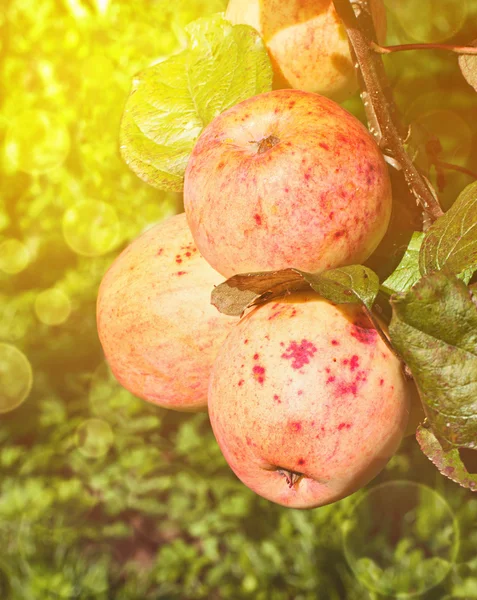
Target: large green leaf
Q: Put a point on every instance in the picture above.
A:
(434, 328)
(172, 101)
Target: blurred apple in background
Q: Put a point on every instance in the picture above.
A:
(307, 42)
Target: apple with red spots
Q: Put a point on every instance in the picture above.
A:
(286, 179)
(306, 41)
(159, 332)
(306, 401)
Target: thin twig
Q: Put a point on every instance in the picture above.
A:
(453, 167)
(470, 50)
(379, 104)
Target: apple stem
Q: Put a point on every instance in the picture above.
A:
(470, 50)
(381, 110)
(267, 143)
(292, 477)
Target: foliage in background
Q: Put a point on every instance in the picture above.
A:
(102, 495)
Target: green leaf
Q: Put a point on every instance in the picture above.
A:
(407, 273)
(448, 462)
(171, 102)
(236, 505)
(188, 438)
(345, 285)
(451, 242)
(434, 328)
(10, 455)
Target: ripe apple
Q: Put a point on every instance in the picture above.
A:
(158, 329)
(306, 401)
(286, 179)
(306, 41)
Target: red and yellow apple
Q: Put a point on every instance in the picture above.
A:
(306, 41)
(159, 332)
(286, 179)
(306, 401)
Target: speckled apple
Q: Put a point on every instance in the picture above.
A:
(306, 41)
(306, 401)
(286, 179)
(159, 332)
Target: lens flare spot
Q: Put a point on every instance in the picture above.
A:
(428, 20)
(412, 520)
(14, 256)
(91, 228)
(16, 377)
(52, 307)
(94, 438)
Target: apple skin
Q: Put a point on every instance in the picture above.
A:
(306, 42)
(159, 332)
(303, 386)
(286, 179)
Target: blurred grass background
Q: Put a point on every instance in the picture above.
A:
(101, 494)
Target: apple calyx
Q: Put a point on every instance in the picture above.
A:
(267, 143)
(292, 477)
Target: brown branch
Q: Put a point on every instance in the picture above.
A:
(379, 104)
(428, 46)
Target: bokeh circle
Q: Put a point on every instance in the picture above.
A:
(14, 256)
(52, 306)
(16, 377)
(428, 21)
(94, 438)
(401, 539)
(91, 228)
